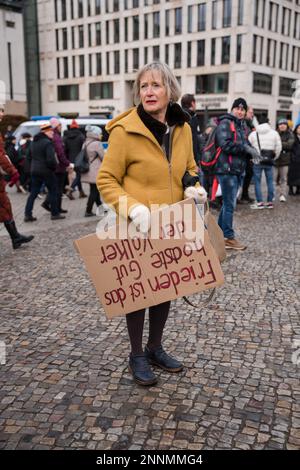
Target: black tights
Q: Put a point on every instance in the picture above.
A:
(158, 315)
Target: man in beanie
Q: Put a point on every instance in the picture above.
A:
(283, 162)
(6, 215)
(43, 166)
(230, 166)
(73, 141)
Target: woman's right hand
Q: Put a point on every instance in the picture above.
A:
(141, 217)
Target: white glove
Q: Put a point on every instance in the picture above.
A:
(197, 193)
(140, 216)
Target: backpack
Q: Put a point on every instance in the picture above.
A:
(82, 163)
(211, 152)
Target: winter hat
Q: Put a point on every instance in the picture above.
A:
(26, 135)
(46, 127)
(54, 122)
(93, 130)
(240, 102)
(282, 121)
(74, 125)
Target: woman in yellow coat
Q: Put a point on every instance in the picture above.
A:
(150, 161)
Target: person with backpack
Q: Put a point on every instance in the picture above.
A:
(95, 153)
(232, 149)
(268, 144)
(188, 104)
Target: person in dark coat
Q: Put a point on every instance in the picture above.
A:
(63, 166)
(73, 142)
(43, 166)
(16, 159)
(294, 168)
(188, 104)
(283, 162)
(230, 166)
(6, 215)
(249, 126)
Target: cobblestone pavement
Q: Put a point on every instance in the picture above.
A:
(65, 383)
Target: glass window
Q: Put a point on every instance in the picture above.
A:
(98, 64)
(254, 48)
(73, 36)
(156, 24)
(167, 20)
(213, 83)
(213, 52)
(90, 65)
(145, 55)
(226, 50)
(56, 11)
(57, 68)
(135, 3)
(80, 8)
(116, 31)
(286, 86)
(89, 10)
(107, 63)
(189, 54)
(97, 7)
(116, 5)
(65, 38)
(190, 19)
(201, 17)
(72, 9)
(66, 67)
(177, 55)
(126, 60)
(101, 91)
(117, 62)
(239, 48)
(226, 13)
(167, 53)
(146, 31)
(126, 28)
(98, 33)
(136, 28)
(156, 53)
(135, 59)
(178, 20)
(74, 65)
(201, 52)
(107, 32)
(63, 10)
(240, 12)
(89, 35)
(81, 35)
(81, 66)
(57, 39)
(214, 14)
(68, 92)
(262, 83)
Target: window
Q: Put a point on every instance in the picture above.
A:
(64, 38)
(135, 3)
(286, 86)
(80, 8)
(107, 32)
(226, 50)
(201, 17)
(116, 5)
(256, 12)
(101, 91)
(89, 10)
(214, 14)
(63, 10)
(81, 66)
(156, 53)
(146, 30)
(68, 92)
(262, 83)
(240, 12)
(98, 64)
(126, 28)
(145, 55)
(136, 28)
(90, 65)
(226, 13)
(126, 60)
(239, 48)
(90, 35)
(178, 20)
(74, 65)
(177, 55)
(81, 35)
(190, 19)
(97, 7)
(189, 54)
(66, 67)
(200, 52)
(296, 25)
(167, 22)
(73, 36)
(213, 83)
(57, 39)
(57, 68)
(55, 10)
(107, 64)
(116, 31)
(167, 53)
(135, 59)
(117, 62)
(156, 24)
(254, 49)
(213, 52)
(98, 33)
(72, 9)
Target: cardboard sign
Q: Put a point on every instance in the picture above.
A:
(135, 273)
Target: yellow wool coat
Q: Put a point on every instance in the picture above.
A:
(135, 165)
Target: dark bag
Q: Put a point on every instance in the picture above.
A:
(82, 163)
(267, 156)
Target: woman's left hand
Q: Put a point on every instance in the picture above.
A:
(197, 193)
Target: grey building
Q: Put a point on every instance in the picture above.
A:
(219, 50)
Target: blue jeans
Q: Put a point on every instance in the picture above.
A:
(36, 183)
(257, 172)
(229, 186)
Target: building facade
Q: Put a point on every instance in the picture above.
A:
(12, 58)
(218, 49)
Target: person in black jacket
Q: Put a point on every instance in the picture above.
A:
(188, 104)
(294, 168)
(282, 163)
(230, 166)
(73, 142)
(43, 166)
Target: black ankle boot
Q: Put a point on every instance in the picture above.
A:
(16, 238)
(141, 370)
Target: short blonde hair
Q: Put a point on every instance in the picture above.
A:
(168, 78)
